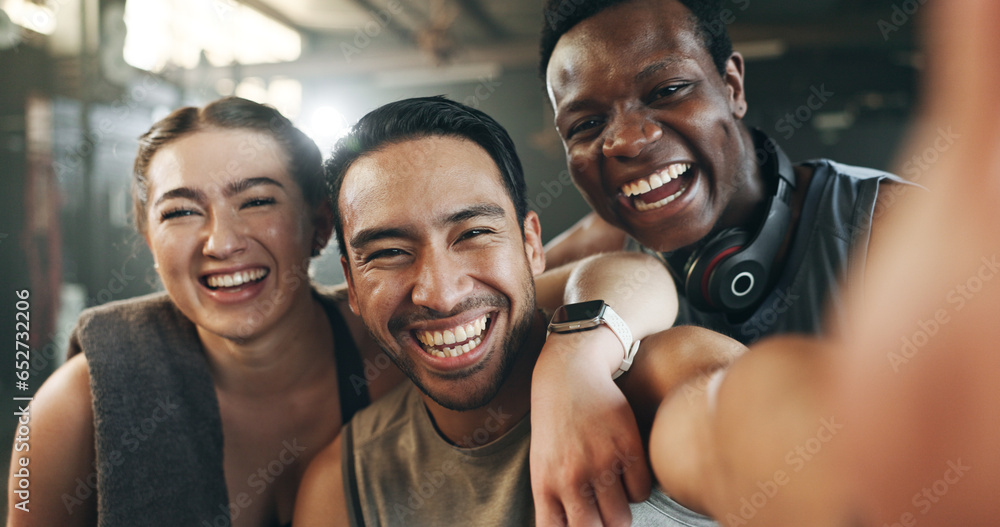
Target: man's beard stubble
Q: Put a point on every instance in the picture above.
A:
(512, 347)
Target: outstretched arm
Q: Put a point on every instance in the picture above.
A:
(753, 444)
(581, 422)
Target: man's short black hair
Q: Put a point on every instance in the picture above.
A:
(563, 15)
(417, 118)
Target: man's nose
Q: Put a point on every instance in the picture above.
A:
(441, 282)
(629, 133)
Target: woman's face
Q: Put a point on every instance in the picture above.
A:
(230, 231)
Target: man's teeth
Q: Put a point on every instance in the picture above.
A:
(455, 341)
(455, 351)
(642, 206)
(235, 279)
(654, 181)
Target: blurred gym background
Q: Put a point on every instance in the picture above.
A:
(80, 80)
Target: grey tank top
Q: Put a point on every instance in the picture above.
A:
(830, 241)
(398, 470)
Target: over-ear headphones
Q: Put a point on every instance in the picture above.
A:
(731, 271)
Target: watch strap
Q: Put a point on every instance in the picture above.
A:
(627, 361)
(618, 326)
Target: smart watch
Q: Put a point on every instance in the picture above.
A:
(583, 316)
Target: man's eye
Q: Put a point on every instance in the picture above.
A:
(384, 254)
(258, 202)
(472, 233)
(668, 91)
(175, 213)
(583, 126)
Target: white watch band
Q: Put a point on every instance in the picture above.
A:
(619, 326)
(627, 361)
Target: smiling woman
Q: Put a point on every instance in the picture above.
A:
(159, 416)
(221, 242)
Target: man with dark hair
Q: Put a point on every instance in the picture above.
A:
(424, 116)
(649, 100)
(864, 428)
(439, 266)
(707, 17)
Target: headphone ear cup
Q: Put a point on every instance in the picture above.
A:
(703, 263)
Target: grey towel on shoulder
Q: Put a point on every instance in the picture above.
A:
(156, 417)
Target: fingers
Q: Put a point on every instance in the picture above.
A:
(631, 465)
(549, 512)
(636, 477)
(581, 508)
(602, 501)
(590, 505)
(612, 503)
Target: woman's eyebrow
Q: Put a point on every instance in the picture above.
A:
(242, 185)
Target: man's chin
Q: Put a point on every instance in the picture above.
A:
(465, 399)
(667, 238)
(663, 244)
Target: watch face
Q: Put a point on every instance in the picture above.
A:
(592, 310)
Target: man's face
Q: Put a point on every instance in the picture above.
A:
(651, 130)
(437, 266)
